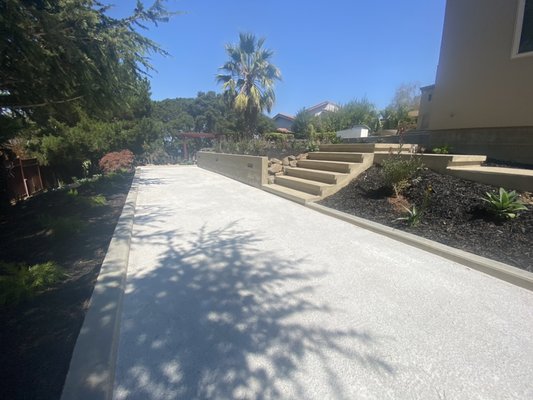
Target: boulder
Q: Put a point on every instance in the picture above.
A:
(293, 163)
(275, 161)
(302, 156)
(292, 158)
(271, 180)
(285, 161)
(274, 169)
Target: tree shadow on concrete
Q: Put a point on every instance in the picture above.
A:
(221, 318)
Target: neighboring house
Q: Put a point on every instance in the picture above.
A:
(358, 131)
(283, 121)
(321, 108)
(482, 100)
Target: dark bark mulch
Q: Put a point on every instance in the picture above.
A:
(454, 216)
(38, 335)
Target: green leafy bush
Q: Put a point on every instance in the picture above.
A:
(504, 204)
(278, 136)
(19, 282)
(327, 137)
(396, 171)
(442, 150)
(61, 227)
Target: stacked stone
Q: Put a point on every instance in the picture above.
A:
(277, 167)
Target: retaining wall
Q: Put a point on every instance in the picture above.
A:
(251, 170)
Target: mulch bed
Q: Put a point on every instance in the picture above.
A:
(455, 215)
(38, 335)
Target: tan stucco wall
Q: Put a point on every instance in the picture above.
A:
(246, 169)
(479, 83)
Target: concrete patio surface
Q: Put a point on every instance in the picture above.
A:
(233, 293)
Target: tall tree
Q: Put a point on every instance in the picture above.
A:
(62, 55)
(248, 79)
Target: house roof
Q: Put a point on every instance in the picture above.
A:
(428, 87)
(320, 105)
(280, 115)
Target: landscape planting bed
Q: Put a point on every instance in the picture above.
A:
(454, 216)
(39, 334)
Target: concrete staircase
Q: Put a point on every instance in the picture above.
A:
(323, 173)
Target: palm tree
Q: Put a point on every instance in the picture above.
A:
(248, 79)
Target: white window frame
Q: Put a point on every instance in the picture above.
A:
(518, 31)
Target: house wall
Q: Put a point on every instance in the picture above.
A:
(283, 123)
(426, 101)
(479, 84)
(353, 133)
(327, 107)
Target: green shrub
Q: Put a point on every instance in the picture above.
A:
(278, 136)
(97, 200)
(442, 150)
(312, 146)
(20, 282)
(504, 204)
(61, 227)
(327, 137)
(396, 171)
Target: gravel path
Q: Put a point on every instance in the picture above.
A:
(233, 293)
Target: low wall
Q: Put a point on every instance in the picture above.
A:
(506, 144)
(251, 170)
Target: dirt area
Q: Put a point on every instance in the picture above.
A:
(454, 215)
(39, 334)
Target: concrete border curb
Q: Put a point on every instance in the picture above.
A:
(496, 269)
(92, 366)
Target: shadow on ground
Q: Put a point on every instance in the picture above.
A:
(219, 317)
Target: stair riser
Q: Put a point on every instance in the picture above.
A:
(310, 188)
(351, 148)
(312, 175)
(463, 163)
(344, 168)
(348, 157)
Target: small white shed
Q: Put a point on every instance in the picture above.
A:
(357, 131)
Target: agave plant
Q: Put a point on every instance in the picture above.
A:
(412, 217)
(504, 204)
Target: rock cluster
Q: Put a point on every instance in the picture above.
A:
(277, 167)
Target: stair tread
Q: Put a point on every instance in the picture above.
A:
(331, 161)
(279, 189)
(320, 171)
(302, 180)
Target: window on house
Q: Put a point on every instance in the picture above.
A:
(524, 26)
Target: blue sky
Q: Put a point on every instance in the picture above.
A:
(336, 50)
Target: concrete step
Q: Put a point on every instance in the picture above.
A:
(315, 175)
(509, 178)
(459, 160)
(351, 148)
(303, 185)
(334, 166)
(290, 194)
(336, 156)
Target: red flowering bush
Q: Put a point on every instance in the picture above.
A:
(121, 161)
